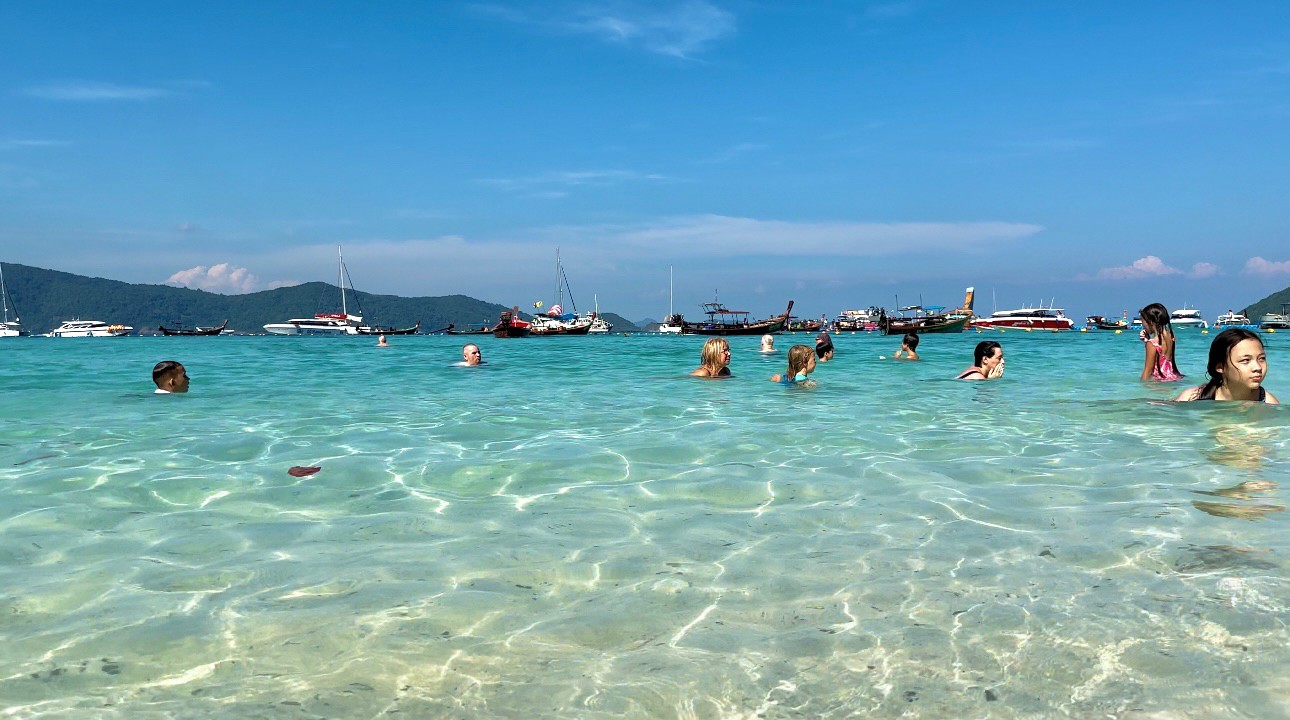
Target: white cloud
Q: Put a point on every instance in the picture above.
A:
(1203, 270)
(1258, 266)
(86, 91)
(1149, 266)
(221, 278)
(676, 29)
(723, 236)
(570, 178)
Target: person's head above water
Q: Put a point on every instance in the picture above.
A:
(170, 377)
(715, 359)
(1237, 367)
(470, 354)
(767, 342)
(910, 341)
(801, 360)
(824, 347)
(1155, 319)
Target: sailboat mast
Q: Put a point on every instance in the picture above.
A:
(340, 280)
(4, 295)
(669, 291)
(559, 289)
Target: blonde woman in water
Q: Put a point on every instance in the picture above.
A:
(716, 359)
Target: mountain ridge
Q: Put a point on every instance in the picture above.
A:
(46, 298)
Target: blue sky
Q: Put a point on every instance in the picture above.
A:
(1102, 155)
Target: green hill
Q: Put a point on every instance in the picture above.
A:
(1272, 303)
(45, 298)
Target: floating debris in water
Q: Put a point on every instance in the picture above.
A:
(302, 471)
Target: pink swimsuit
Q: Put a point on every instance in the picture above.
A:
(1164, 371)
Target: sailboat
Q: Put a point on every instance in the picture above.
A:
(556, 321)
(599, 325)
(341, 323)
(8, 328)
(672, 325)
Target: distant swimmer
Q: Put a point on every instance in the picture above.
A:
(1237, 367)
(824, 347)
(380, 342)
(170, 377)
(768, 343)
(716, 359)
(801, 363)
(988, 362)
(470, 355)
(908, 348)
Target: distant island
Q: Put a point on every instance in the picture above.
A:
(46, 298)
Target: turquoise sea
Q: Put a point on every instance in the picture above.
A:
(580, 530)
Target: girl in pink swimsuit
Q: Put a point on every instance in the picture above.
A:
(1158, 337)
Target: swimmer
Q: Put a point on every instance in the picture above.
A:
(1237, 367)
(470, 355)
(824, 347)
(801, 363)
(170, 377)
(768, 343)
(988, 362)
(1157, 337)
(715, 357)
(908, 347)
(380, 342)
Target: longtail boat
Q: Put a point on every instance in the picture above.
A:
(194, 331)
(511, 325)
(372, 330)
(734, 322)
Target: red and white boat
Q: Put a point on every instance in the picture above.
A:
(1038, 318)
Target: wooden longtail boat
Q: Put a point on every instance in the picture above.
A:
(510, 325)
(926, 324)
(366, 330)
(193, 332)
(734, 322)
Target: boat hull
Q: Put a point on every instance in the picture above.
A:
(721, 329)
(1044, 324)
(390, 331)
(179, 332)
(922, 326)
(311, 330)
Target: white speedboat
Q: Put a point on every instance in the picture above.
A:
(1036, 318)
(1187, 318)
(858, 320)
(89, 328)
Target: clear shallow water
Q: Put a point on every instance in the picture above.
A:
(579, 529)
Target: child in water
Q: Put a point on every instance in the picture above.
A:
(1158, 337)
(801, 363)
(908, 347)
(1237, 368)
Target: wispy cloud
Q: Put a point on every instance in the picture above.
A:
(675, 29)
(551, 183)
(724, 236)
(21, 144)
(221, 278)
(1152, 266)
(1258, 266)
(88, 91)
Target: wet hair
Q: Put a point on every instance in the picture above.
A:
(165, 369)
(911, 341)
(767, 340)
(984, 349)
(1156, 317)
(799, 356)
(712, 350)
(823, 344)
(1220, 351)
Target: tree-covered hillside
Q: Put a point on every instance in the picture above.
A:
(45, 298)
(1272, 303)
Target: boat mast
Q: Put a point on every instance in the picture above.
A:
(669, 291)
(4, 296)
(340, 280)
(559, 289)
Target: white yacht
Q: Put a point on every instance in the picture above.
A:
(341, 323)
(600, 326)
(672, 325)
(1276, 321)
(1187, 318)
(88, 328)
